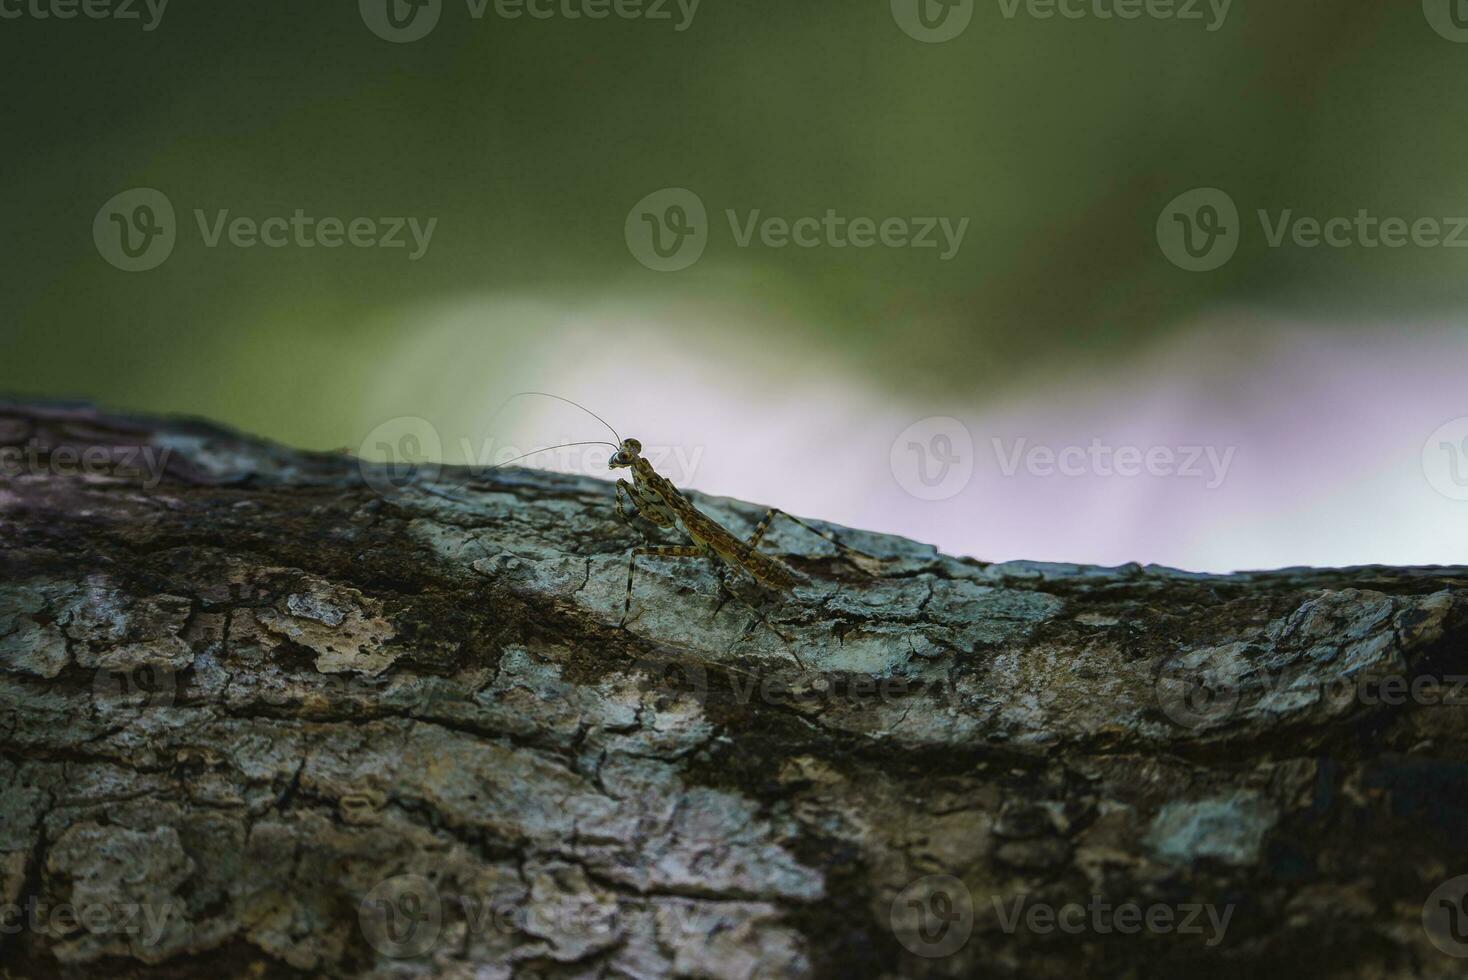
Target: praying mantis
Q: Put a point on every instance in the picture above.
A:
(654, 498)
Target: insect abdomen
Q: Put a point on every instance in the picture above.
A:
(770, 572)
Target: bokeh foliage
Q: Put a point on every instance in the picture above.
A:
(529, 140)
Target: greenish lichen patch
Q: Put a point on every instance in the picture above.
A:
(1229, 829)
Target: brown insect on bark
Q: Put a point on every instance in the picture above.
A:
(657, 500)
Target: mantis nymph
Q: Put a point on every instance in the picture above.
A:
(657, 500)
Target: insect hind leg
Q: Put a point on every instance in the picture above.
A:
(861, 559)
(661, 551)
(724, 573)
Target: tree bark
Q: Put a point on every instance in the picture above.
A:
(273, 714)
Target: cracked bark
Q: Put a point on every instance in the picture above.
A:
(316, 726)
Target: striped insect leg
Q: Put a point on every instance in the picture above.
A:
(661, 551)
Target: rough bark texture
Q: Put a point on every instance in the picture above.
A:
(306, 724)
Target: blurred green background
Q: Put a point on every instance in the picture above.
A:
(529, 140)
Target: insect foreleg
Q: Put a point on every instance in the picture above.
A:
(652, 510)
(664, 551)
(624, 491)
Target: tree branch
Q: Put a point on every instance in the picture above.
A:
(301, 721)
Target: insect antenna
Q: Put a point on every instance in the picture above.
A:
(546, 449)
(514, 459)
(546, 394)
